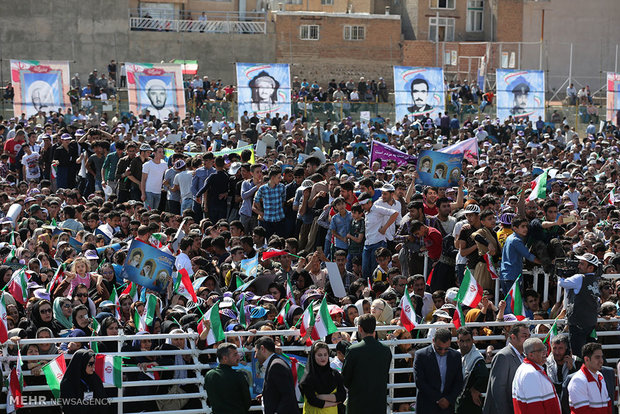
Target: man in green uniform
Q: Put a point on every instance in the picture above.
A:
(227, 390)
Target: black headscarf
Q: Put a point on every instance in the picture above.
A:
(37, 322)
(292, 311)
(76, 382)
(107, 346)
(321, 379)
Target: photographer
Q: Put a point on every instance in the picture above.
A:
(582, 300)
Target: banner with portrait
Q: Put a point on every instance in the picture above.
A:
(40, 85)
(520, 94)
(613, 97)
(439, 169)
(418, 92)
(148, 266)
(264, 89)
(156, 87)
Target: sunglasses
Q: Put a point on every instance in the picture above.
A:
(91, 363)
(81, 295)
(45, 311)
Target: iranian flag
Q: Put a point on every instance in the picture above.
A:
(289, 291)
(158, 240)
(139, 321)
(242, 318)
(54, 170)
(183, 286)
(552, 332)
(132, 291)
(612, 196)
(11, 254)
(14, 394)
(516, 301)
(95, 328)
(407, 312)
(150, 308)
(18, 286)
(281, 318)
(491, 266)
(4, 331)
(108, 368)
(117, 304)
(212, 318)
(54, 371)
(458, 319)
(539, 187)
(297, 369)
(323, 323)
(273, 253)
(307, 324)
(56, 278)
(470, 292)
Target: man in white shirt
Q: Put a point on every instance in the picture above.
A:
(152, 179)
(587, 390)
(378, 220)
(183, 261)
(387, 200)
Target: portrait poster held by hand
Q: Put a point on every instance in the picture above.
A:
(148, 266)
(157, 88)
(438, 169)
(264, 89)
(613, 96)
(418, 92)
(40, 86)
(520, 94)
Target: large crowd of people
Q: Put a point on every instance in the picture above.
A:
(76, 191)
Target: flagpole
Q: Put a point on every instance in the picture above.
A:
(516, 280)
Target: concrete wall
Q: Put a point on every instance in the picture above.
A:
(89, 33)
(593, 31)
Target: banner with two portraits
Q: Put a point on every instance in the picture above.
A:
(418, 92)
(40, 86)
(157, 88)
(263, 88)
(520, 94)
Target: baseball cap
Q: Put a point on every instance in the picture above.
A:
(590, 258)
(145, 147)
(388, 187)
(179, 164)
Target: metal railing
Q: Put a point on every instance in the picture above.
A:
(198, 367)
(211, 22)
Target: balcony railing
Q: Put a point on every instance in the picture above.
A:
(213, 22)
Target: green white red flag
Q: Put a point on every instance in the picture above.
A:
(183, 285)
(150, 309)
(4, 329)
(281, 318)
(323, 323)
(139, 321)
(273, 253)
(307, 323)
(470, 292)
(56, 278)
(407, 312)
(458, 319)
(216, 332)
(516, 300)
(539, 187)
(289, 291)
(494, 271)
(18, 286)
(109, 369)
(132, 291)
(54, 371)
(117, 304)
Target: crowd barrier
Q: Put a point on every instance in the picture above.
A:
(198, 367)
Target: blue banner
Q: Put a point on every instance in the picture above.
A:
(418, 92)
(438, 169)
(148, 266)
(520, 94)
(264, 89)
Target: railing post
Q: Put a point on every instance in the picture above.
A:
(391, 380)
(120, 342)
(203, 401)
(546, 288)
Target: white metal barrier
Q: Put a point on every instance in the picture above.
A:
(196, 366)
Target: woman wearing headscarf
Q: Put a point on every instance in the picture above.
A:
(48, 348)
(81, 320)
(41, 316)
(80, 384)
(322, 387)
(350, 313)
(383, 313)
(62, 312)
(144, 362)
(108, 327)
(5, 275)
(35, 377)
(178, 374)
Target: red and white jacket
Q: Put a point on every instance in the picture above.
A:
(587, 393)
(533, 392)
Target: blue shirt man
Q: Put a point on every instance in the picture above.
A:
(513, 253)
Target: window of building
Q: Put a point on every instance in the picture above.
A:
(442, 4)
(475, 15)
(309, 32)
(294, 2)
(441, 29)
(354, 33)
(327, 2)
